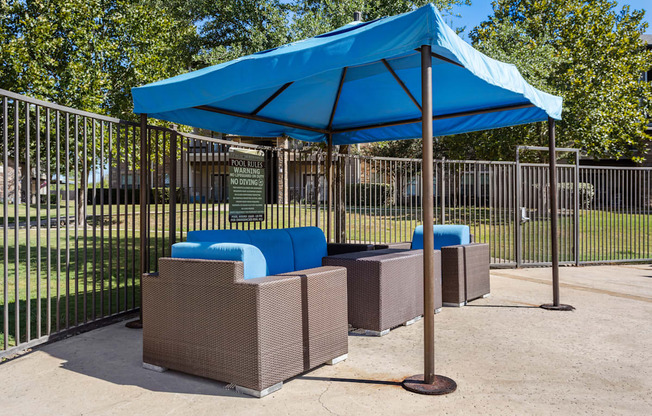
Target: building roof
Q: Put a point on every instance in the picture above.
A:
(647, 38)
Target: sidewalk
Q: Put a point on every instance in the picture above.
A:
(507, 356)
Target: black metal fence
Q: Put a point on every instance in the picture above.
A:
(70, 192)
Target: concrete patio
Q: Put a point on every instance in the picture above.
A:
(507, 356)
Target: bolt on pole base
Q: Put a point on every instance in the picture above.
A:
(135, 324)
(441, 385)
(561, 307)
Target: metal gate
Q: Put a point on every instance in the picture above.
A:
(532, 214)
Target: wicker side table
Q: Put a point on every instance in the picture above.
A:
(465, 273)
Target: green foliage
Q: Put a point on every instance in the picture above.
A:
(314, 17)
(233, 28)
(88, 54)
(162, 195)
(588, 52)
(369, 194)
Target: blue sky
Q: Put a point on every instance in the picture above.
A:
(478, 11)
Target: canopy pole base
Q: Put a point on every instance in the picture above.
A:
(441, 385)
(135, 324)
(560, 307)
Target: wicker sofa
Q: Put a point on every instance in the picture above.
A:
(253, 310)
(464, 265)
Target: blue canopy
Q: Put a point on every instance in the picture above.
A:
(361, 83)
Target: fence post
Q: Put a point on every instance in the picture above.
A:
(318, 189)
(442, 194)
(576, 210)
(173, 188)
(517, 209)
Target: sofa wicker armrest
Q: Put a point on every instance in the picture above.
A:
(465, 272)
(201, 317)
(324, 314)
(342, 248)
(404, 245)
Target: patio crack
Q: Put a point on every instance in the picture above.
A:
(322, 403)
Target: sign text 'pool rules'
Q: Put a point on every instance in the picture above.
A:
(246, 186)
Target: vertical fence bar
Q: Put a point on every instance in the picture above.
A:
(102, 216)
(37, 189)
(16, 224)
(133, 216)
(5, 220)
(48, 202)
(110, 216)
(94, 223)
(58, 219)
(144, 231)
(28, 227)
(173, 189)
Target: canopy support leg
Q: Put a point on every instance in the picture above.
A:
(554, 242)
(428, 382)
(144, 191)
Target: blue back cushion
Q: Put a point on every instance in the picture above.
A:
(251, 256)
(276, 246)
(444, 235)
(309, 244)
(219, 236)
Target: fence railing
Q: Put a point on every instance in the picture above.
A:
(70, 190)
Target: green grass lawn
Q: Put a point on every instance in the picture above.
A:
(86, 276)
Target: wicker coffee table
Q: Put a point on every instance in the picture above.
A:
(385, 287)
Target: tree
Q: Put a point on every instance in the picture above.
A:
(589, 53)
(88, 54)
(313, 17)
(596, 61)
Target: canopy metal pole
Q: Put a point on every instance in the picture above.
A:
(144, 246)
(428, 382)
(554, 241)
(329, 180)
(428, 222)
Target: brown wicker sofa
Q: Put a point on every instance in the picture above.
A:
(464, 265)
(219, 319)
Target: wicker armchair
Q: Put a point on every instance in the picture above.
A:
(202, 317)
(464, 265)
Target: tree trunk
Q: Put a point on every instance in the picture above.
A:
(81, 200)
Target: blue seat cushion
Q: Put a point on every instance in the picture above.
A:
(276, 246)
(309, 245)
(249, 255)
(219, 236)
(444, 235)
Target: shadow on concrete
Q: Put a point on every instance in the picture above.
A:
(503, 306)
(352, 380)
(114, 354)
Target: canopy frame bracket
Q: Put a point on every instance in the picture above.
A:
(337, 99)
(401, 83)
(261, 119)
(438, 117)
(271, 98)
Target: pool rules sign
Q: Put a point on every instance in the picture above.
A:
(246, 186)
